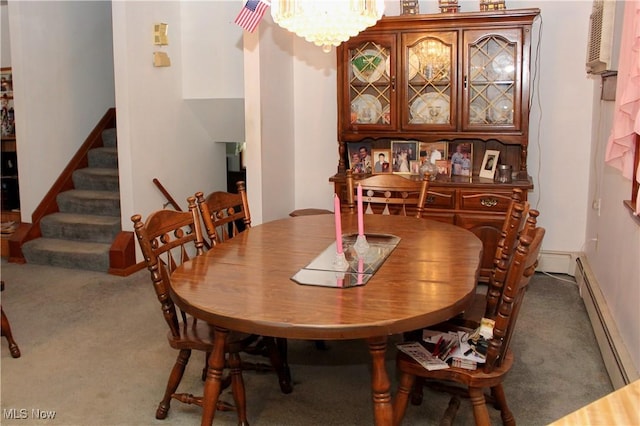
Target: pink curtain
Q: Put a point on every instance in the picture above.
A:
(626, 121)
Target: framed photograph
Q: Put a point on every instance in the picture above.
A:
(461, 156)
(415, 167)
(433, 151)
(489, 164)
(381, 161)
(7, 116)
(444, 167)
(6, 82)
(402, 154)
(360, 158)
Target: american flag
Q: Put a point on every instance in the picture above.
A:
(251, 14)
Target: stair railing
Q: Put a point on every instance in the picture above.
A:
(170, 200)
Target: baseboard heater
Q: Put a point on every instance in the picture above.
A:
(614, 353)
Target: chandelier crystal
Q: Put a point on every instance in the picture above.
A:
(326, 23)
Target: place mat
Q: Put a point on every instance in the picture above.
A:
(323, 272)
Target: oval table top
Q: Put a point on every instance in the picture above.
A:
(245, 283)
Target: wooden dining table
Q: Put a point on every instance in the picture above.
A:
(245, 285)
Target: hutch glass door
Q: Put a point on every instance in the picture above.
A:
(493, 78)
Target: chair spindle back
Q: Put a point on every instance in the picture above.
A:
(522, 268)
(224, 214)
(388, 194)
(515, 220)
(167, 239)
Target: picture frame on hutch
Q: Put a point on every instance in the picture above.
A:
(433, 151)
(7, 116)
(489, 164)
(360, 160)
(461, 156)
(6, 82)
(403, 153)
(444, 167)
(381, 161)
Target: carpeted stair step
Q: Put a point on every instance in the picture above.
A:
(109, 137)
(100, 203)
(67, 254)
(104, 157)
(80, 227)
(93, 178)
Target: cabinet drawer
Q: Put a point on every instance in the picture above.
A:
(437, 199)
(485, 201)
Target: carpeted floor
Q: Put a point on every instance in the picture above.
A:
(94, 352)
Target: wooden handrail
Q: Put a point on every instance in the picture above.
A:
(170, 199)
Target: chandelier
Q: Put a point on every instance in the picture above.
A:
(326, 23)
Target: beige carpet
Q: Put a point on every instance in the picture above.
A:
(94, 352)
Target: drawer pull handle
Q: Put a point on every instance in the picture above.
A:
(489, 202)
(431, 199)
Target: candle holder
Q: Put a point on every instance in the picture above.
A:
(361, 246)
(340, 262)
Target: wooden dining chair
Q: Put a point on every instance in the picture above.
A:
(6, 331)
(519, 218)
(388, 194)
(499, 357)
(523, 221)
(167, 239)
(228, 213)
(514, 222)
(224, 216)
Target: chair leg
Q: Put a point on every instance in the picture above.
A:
(277, 350)
(204, 369)
(321, 345)
(480, 411)
(506, 414)
(451, 411)
(6, 332)
(237, 388)
(174, 380)
(416, 392)
(402, 397)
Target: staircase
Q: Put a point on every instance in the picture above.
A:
(81, 233)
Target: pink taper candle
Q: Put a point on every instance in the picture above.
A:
(336, 213)
(360, 212)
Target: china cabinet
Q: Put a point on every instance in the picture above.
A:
(10, 199)
(452, 78)
(10, 204)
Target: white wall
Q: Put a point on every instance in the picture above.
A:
(62, 60)
(315, 128)
(612, 237)
(160, 133)
(560, 124)
(5, 51)
(278, 115)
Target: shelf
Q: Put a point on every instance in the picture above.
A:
(492, 82)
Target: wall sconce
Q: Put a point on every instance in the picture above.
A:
(160, 34)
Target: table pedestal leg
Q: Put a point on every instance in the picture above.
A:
(380, 384)
(213, 383)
